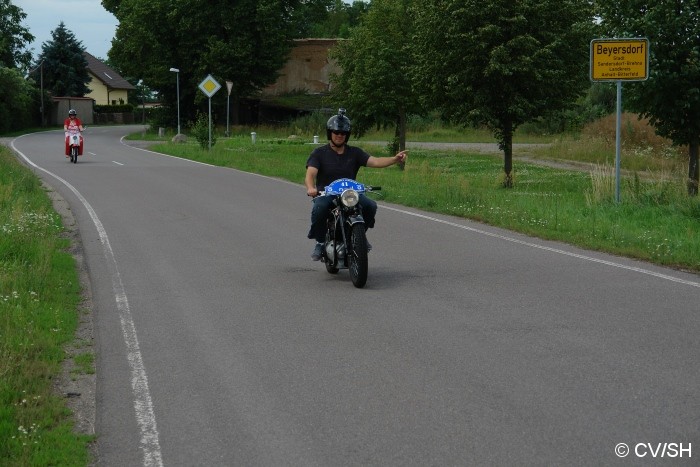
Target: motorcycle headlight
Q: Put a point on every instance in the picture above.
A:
(350, 198)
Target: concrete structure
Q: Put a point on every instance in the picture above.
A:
(307, 69)
(107, 87)
(61, 106)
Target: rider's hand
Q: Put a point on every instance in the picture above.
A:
(313, 192)
(400, 158)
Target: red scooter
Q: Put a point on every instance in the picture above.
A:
(74, 145)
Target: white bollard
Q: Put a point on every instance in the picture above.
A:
(315, 139)
(252, 136)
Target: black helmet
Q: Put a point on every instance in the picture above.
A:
(338, 123)
(72, 112)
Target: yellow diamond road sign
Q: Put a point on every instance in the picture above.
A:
(620, 59)
(209, 86)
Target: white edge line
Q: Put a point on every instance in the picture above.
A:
(118, 163)
(143, 405)
(546, 248)
(478, 231)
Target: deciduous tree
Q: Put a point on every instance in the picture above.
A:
(17, 98)
(246, 42)
(501, 63)
(14, 38)
(375, 85)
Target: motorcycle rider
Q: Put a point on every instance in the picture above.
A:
(336, 160)
(72, 124)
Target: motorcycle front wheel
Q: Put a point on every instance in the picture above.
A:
(74, 154)
(357, 259)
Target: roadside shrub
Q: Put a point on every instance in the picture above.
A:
(16, 101)
(200, 131)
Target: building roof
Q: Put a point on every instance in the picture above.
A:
(105, 74)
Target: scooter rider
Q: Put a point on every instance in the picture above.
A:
(72, 124)
(336, 160)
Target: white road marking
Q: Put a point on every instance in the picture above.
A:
(482, 232)
(547, 248)
(143, 405)
(118, 163)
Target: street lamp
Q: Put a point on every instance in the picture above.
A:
(177, 74)
(41, 81)
(143, 101)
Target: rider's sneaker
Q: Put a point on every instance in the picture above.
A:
(318, 251)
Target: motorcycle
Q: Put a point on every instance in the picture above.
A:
(74, 142)
(345, 246)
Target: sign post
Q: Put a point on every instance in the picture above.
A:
(229, 86)
(209, 87)
(619, 60)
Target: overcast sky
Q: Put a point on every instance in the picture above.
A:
(89, 22)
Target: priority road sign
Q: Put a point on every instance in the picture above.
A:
(620, 59)
(209, 86)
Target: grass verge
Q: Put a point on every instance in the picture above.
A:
(656, 221)
(39, 297)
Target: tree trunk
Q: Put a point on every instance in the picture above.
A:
(401, 133)
(402, 129)
(507, 145)
(235, 110)
(693, 168)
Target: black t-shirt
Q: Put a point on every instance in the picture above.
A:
(332, 166)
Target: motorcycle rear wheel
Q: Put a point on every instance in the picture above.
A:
(357, 259)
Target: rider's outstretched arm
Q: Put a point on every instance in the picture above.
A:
(381, 162)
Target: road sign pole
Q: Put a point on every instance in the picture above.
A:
(229, 86)
(209, 87)
(210, 123)
(625, 59)
(617, 141)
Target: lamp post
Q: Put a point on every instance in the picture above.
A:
(43, 121)
(177, 75)
(143, 101)
(41, 87)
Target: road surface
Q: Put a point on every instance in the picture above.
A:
(219, 342)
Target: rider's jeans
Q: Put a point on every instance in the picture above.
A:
(322, 209)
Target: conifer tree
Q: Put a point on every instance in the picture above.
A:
(65, 67)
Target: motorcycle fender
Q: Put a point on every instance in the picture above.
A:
(352, 220)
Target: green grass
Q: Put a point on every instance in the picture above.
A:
(39, 295)
(656, 221)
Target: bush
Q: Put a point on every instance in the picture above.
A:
(163, 116)
(200, 131)
(17, 100)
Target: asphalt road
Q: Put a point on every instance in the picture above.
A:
(219, 342)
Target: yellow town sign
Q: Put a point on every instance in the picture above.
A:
(619, 59)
